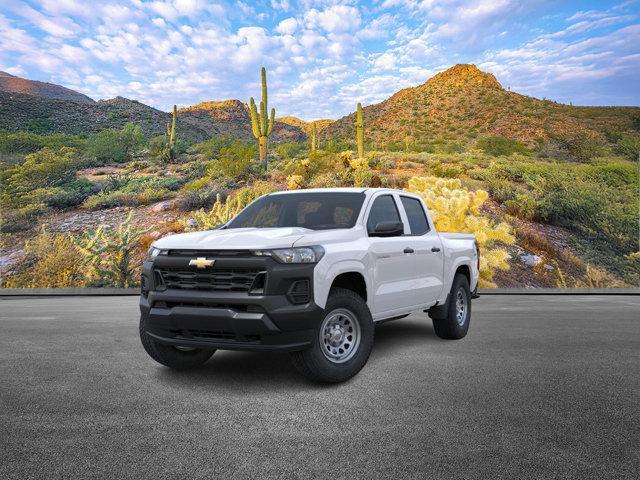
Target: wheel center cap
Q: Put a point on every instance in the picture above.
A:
(335, 335)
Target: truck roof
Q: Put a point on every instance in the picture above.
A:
(336, 190)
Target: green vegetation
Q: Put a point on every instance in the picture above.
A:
(27, 142)
(170, 148)
(360, 131)
(116, 145)
(498, 146)
(108, 254)
(313, 139)
(262, 126)
(43, 169)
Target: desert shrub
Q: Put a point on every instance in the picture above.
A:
(116, 145)
(629, 146)
(295, 182)
(289, 150)
(23, 218)
(109, 254)
(498, 146)
(28, 142)
(189, 200)
(157, 145)
(63, 197)
(52, 261)
(523, 206)
(126, 198)
(598, 200)
(455, 209)
(581, 146)
(234, 159)
(326, 180)
(211, 148)
(447, 170)
(42, 169)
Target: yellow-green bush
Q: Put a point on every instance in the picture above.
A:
(454, 209)
(52, 261)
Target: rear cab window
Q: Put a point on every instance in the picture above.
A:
(418, 223)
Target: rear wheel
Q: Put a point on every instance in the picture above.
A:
(455, 324)
(343, 340)
(178, 358)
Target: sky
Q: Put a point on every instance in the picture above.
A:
(322, 57)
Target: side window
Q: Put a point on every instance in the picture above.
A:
(415, 213)
(383, 210)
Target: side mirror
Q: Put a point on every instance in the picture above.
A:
(388, 229)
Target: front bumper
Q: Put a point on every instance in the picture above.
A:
(231, 320)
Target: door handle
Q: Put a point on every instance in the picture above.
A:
(435, 249)
(408, 250)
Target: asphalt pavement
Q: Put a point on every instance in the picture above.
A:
(542, 387)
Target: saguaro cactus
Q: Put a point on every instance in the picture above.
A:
(314, 140)
(360, 132)
(171, 135)
(260, 124)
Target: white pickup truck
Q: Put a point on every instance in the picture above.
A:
(309, 272)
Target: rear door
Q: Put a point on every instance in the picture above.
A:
(427, 258)
(392, 284)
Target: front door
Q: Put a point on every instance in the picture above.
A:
(391, 283)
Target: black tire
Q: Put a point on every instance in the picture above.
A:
(450, 327)
(170, 356)
(315, 365)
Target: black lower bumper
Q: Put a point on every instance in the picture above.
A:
(229, 320)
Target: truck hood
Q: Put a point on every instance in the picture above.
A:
(233, 238)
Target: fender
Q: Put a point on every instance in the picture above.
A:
(450, 271)
(325, 273)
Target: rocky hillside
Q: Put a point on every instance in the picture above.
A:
(464, 103)
(46, 108)
(20, 111)
(12, 85)
(305, 126)
(232, 117)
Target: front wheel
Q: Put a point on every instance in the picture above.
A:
(343, 340)
(178, 358)
(455, 324)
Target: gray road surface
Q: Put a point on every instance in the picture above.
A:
(542, 387)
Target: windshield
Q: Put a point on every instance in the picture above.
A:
(316, 211)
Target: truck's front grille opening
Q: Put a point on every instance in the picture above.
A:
(194, 334)
(217, 334)
(237, 307)
(229, 280)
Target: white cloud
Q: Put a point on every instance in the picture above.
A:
(287, 26)
(335, 19)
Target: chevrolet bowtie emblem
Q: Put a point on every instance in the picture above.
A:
(201, 262)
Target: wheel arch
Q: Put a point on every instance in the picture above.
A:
(348, 274)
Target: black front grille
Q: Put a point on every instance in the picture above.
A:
(228, 280)
(210, 253)
(213, 335)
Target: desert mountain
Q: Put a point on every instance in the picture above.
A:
(305, 126)
(232, 117)
(48, 108)
(12, 84)
(463, 103)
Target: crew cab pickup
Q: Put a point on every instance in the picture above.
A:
(308, 272)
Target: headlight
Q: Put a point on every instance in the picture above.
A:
(294, 255)
(154, 252)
